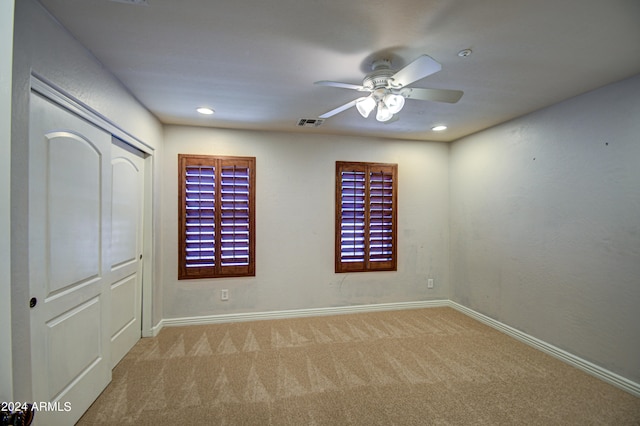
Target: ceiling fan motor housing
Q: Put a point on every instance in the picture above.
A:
(380, 76)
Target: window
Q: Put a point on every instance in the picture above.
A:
(366, 216)
(216, 216)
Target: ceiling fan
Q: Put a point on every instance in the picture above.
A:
(389, 89)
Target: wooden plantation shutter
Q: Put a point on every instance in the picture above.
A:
(234, 214)
(199, 217)
(352, 217)
(381, 217)
(216, 216)
(366, 217)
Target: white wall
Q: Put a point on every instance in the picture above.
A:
(6, 56)
(545, 228)
(295, 223)
(42, 46)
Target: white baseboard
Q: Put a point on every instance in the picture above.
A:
(586, 366)
(153, 331)
(298, 313)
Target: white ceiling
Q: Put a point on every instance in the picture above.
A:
(255, 61)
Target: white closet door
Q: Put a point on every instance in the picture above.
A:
(127, 197)
(69, 266)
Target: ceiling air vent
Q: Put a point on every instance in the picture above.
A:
(310, 122)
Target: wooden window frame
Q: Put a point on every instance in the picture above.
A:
(366, 261)
(186, 268)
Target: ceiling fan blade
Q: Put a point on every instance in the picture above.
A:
(340, 109)
(420, 68)
(435, 95)
(341, 85)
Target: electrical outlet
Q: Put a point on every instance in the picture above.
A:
(430, 283)
(224, 294)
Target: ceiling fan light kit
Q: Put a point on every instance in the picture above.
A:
(389, 88)
(388, 104)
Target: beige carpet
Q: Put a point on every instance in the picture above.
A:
(416, 367)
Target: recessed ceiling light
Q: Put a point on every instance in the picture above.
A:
(465, 52)
(204, 110)
(439, 128)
